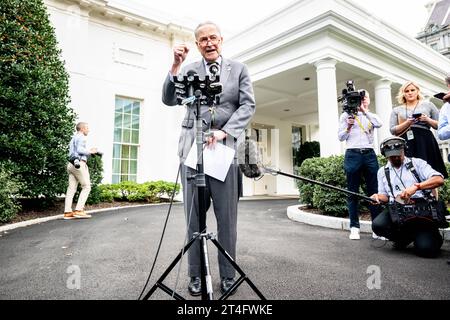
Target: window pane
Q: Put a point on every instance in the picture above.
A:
(117, 135)
(136, 107)
(125, 152)
(128, 106)
(135, 136)
(135, 122)
(133, 150)
(116, 151)
(116, 166)
(119, 104)
(133, 167)
(126, 136)
(118, 120)
(124, 177)
(127, 121)
(132, 178)
(124, 167)
(115, 178)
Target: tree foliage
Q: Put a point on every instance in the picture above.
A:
(36, 123)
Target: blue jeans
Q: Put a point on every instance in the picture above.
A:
(359, 163)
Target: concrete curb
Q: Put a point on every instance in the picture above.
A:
(27, 223)
(296, 214)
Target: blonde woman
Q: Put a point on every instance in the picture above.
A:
(412, 120)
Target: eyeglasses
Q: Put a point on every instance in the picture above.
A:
(214, 39)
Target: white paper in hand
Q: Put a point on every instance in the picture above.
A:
(216, 161)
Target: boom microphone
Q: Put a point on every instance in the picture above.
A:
(248, 159)
(250, 165)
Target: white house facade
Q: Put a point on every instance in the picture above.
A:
(299, 60)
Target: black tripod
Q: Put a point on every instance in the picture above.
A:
(202, 235)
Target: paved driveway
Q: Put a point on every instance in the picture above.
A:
(112, 254)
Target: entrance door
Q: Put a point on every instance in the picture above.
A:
(262, 134)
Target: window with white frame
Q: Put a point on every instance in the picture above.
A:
(126, 140)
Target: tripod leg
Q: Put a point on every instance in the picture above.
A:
(207, 274)
(159, 283)
(239, 270)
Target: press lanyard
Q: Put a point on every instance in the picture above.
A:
(406, 110)
(399, 177)
(362, 127)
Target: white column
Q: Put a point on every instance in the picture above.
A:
(328, 107)
(383, 107)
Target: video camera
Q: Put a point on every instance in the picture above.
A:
(75, 160)
(351, 98)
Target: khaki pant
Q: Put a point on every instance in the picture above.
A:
(76, 176)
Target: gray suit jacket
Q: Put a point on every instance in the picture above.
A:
(233, 114)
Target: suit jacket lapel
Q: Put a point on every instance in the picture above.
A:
(226, 70)
(200, 68)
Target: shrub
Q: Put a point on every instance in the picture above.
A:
(311, 169)
(9, 189)
(328, 200)
(35, 122)
(309, 149)
(330, 171)
(444, 191)
(95, 164)
(151, 192)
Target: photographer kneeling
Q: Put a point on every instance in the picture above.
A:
(412, 214)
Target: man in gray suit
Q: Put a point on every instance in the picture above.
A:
(227, 121)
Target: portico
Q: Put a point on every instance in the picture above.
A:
(300, 60)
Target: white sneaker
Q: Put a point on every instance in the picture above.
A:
(375, 236)
(354, 234)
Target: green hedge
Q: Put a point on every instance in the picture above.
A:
(36, 123)
(9, 189)
(153, 191)
(95, 165)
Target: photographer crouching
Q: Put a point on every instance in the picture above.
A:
(356, 127)
(78, 173)
(412, 213)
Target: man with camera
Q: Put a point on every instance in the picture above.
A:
(78, 173)
(412, 214)
(357, 126)
(225, 121)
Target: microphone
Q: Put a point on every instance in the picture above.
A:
(214, 68)
(248, 159)
(190, 76)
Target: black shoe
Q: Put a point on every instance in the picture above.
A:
(225, 284)
(195, 286)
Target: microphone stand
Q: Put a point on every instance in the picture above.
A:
(199, 180)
